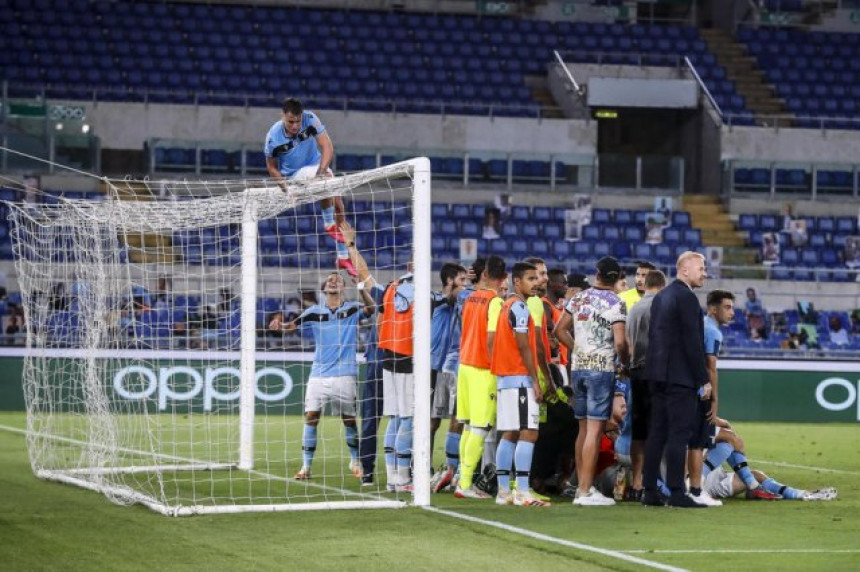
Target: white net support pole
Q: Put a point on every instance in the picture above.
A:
(421, 201)
(248, 336)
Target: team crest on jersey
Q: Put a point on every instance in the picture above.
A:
(522, 398)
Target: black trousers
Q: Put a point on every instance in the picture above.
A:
(641, 407)
(673, 412)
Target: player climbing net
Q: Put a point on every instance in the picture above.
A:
(150, 376)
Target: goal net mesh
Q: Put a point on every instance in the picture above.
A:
(134, 313)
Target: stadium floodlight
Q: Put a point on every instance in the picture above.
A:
(150, 374)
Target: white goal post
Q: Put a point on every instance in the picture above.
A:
(150, 375)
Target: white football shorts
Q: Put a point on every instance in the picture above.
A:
(339, 391)
(517, 409)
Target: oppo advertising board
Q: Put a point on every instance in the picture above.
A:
(750, 390)
(180, 382)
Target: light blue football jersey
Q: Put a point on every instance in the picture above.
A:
(293, 153)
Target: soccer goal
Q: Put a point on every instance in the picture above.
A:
(150, 373)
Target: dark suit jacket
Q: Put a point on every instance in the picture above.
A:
(676, 338)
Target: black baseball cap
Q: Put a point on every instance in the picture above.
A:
(609, 269)
(578, 281)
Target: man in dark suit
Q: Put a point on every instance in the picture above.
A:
(675, 367)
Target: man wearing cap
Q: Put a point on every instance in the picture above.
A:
(576, 283)
(596, 318)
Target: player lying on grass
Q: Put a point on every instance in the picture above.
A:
(720, 483)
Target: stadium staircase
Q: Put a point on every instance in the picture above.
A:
(549, 108)
(743, 69)
(150, 247)
(708, 214)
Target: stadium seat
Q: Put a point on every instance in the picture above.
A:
(747, 222)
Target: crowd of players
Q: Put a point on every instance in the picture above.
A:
(551, 378)
(549, 383)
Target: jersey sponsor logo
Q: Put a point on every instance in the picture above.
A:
(184, 383)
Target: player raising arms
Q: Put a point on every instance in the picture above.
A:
(514, 362)
(334, 326)
(298, 147)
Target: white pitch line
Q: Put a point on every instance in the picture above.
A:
(805, 467)
(751, 551)
(560, 541)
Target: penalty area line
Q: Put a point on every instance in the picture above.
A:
(560, 541)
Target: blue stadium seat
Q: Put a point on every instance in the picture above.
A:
(624, 217)
(693, 237)
(611, 233)
(643, 251)
(681, 219)
(634, 233)
(520, 213)
(583, 249)
(789, 257)
(470, 228)
(747, 222)
(553, 230)
(846, 225)
(826, 224)
(561, 249)
(600, 216)
(439, 210)
(461, 211)
(671, 235)
(591, 232)
(768, 223)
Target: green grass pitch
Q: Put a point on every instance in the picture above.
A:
(47, 525)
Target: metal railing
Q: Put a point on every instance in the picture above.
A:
(813, 185)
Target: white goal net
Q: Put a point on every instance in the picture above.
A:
(151, 375)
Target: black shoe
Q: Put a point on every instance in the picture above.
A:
(650, 498)
(634, 495)
(367, 480)
(684, 501)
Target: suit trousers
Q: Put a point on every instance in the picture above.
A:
(371, 412)
(673, 411)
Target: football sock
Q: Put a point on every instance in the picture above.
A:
(491, 441)
(464, 438)
(738, 461)
(505, 462)
(328, 216)
(352, 441)
(785, 491)
(388, 444)
(309, 444)
(523, 458)
(474, 450)
(716, 457)
(403, 448)
(452, 449)
(342, 250)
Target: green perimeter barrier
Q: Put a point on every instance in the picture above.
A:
(750, 390)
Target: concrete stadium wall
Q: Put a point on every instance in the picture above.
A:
(799, 145)
(129, 125)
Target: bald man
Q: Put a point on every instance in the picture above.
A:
(675, 368)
